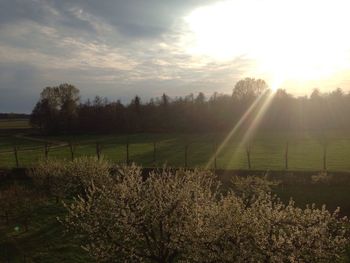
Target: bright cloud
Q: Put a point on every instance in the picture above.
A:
(123, 48)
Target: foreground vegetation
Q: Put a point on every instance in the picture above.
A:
(124, 215)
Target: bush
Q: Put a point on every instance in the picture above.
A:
(62, 178)
(51, 177)
(322, 177)
(181, 217)
(270, 231)
(84, 170)
(141, 220)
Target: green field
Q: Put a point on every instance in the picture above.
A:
(10, 124)
(267, 150)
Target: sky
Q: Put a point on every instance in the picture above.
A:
(119, 49)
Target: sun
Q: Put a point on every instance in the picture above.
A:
(296, 41)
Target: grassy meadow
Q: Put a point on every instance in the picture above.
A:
(267, 150)
(10, 124)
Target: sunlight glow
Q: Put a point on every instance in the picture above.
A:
(288, 40)
(248, 135)
(258, 118)
(234, 130)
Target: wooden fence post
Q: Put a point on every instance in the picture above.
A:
(127, 151)
(325, 156)
(215, 152)
(154, 153)
(72, 149)
(46, 150)
(286, 155)
(15, 151)
(186, 155)
(248, 156)
(98, 150)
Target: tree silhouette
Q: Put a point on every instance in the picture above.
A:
(59, 110)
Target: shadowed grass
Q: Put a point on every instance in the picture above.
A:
(44, 242)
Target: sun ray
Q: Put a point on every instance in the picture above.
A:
(266, 102)
(234, 130)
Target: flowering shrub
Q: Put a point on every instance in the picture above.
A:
(249, 188)
(51, 177)
(182, 217)
(87, 169)
(322, 177)
(142, 220)
(61, 178)
(270, 231)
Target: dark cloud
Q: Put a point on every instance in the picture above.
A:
(132, 18)
(42, 12)
(19, 87)
(137, 18)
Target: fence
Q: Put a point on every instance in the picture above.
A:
(295, 155)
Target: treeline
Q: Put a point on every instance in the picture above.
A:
(60, 110)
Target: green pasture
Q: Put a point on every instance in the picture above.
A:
(267, 150)
(10, 124)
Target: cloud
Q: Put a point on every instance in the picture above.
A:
(132, 18)
(18, 84)
(109, 48)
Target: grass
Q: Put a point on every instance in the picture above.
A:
(45, 241)
(9, 124)
(332, 196)
(267, 150)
